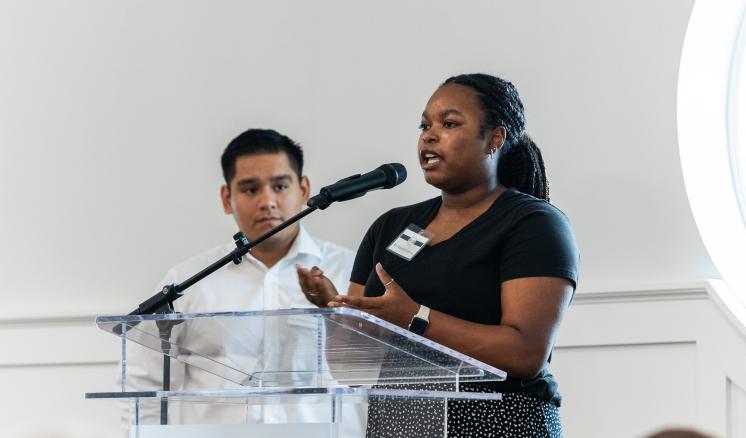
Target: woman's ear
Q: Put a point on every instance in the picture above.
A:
(497, 138)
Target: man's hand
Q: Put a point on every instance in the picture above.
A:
(318, 289)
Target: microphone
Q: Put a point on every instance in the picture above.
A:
(383, 177)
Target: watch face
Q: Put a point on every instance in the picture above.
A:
(418, 326)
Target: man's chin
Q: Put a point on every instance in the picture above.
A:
(262, 228)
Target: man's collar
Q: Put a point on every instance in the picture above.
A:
(304, 244)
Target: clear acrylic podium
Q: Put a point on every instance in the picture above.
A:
(295, 372)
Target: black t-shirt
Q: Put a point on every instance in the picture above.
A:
(518, 236)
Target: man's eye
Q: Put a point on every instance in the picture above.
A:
(281, 187)
(449, 124)
(424, 126)
(251, 190)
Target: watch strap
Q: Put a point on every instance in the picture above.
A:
(420, 321)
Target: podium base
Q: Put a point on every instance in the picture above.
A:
(287, 430)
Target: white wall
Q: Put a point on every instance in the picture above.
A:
(113, 115)
(635, 361)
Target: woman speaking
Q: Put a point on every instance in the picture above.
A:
(495, 269)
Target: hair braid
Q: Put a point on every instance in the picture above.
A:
(521, 164)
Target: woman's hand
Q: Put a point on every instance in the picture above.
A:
(393, 306)
(318, 289)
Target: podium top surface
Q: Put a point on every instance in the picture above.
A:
(299, 348)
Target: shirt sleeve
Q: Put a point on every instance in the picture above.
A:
(541, 244)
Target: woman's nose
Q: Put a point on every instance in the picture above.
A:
(429, 136)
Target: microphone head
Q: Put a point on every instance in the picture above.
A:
(395, 173)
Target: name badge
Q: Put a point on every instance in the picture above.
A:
(410, 242)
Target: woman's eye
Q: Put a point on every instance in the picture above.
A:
(424, 126)
(448, 124)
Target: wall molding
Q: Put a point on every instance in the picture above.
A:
(642, 295)
(47, 317)
(623, 344)
(111, 363)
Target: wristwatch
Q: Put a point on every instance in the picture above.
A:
(419, 322)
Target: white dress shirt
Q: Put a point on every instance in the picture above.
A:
(244, 287)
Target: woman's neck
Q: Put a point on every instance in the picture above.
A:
(475, 198)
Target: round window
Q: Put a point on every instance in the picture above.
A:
(711, 117)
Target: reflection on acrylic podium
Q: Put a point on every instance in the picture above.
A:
(284, 373)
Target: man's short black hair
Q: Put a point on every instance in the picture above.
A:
(260, 141)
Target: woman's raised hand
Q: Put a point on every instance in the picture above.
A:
(394, 305)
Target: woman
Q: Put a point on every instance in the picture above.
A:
(498, 272)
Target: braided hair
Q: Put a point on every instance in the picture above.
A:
(520, 164)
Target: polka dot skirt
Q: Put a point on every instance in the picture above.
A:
(516, 415)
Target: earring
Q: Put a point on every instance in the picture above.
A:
(493, 149)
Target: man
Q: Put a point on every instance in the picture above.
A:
(264, 185)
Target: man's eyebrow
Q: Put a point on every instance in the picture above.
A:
(276, 178)
(247, 181)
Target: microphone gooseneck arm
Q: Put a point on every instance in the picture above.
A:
(162, 301)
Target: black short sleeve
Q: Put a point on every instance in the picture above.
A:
(541, 244)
